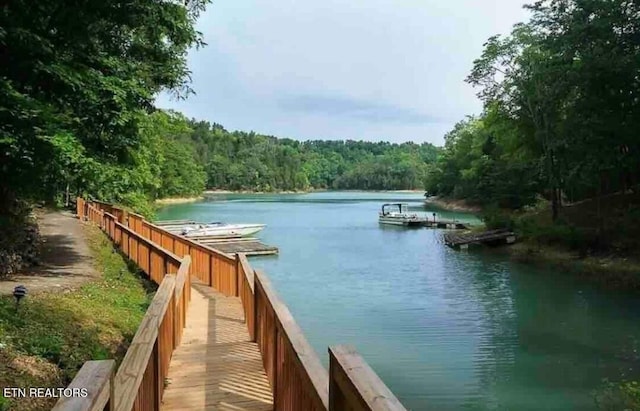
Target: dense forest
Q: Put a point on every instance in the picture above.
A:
(249, 161)
(77, 116)
(558, 140)
(561, 113)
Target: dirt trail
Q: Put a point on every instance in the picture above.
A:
(65, 259)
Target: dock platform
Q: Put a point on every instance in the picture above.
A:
(446, 224)
(492, 237)
(250, 246)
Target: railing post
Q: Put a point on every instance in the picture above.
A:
(276, 395)
(255, 308)
(211, 269)
(157, 394)
(238, 284)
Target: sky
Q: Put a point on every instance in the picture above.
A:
(373, 70)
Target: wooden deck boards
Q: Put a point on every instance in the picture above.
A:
(248, 248)
(216, 367)
(487, 237)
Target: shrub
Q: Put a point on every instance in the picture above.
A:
(19, 239)
(623, 395)
(495, 218)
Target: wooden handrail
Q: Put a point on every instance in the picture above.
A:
(247, 270)
(96, 377)
(139, 381)
(191, 242)
(305, 363)
(144, 239)
(136, 360)
(182, 276)
(353, 385)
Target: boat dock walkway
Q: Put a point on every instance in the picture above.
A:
(217, 366)
(249, 246)
(492, 237)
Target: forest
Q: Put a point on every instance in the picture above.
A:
(250, 161)
(559, 129)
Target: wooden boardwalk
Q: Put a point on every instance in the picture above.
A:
(216, 367)
(195, 349)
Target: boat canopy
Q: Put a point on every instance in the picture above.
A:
(391, 207)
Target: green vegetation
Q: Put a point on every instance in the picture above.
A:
(250, 161)
(77, 84)
(52, 334)
(618, 396)
(560, 123)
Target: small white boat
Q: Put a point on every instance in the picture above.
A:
(398, 214)
(221, 230)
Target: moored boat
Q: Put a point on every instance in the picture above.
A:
(218, 229)
(398, 214)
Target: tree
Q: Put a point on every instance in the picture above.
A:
(520, 76)
(90, 69)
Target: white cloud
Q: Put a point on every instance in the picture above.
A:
(410, 57)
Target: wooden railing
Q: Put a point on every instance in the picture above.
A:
(297, 377)
(354, 386)
(96, 378)
(247, 294)
(140, 379)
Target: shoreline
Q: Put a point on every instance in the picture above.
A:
(178, 200)
(453, 205)
(615, 272)
(319, 190)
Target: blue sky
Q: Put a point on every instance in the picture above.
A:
(325, 69)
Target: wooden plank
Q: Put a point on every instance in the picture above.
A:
(138, 356)
(217, 366)
(313, 376)
(476, 238)
(354, 386)
(215, 240)
(97, 378)
(247, 248)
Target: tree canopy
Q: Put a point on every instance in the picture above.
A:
(77, 81)
(562, 110)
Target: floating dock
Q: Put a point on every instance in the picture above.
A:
(493, 237)
(446, 224)
(250, 246)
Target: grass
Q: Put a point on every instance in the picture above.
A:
(46, 341)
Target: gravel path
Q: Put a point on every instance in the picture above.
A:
(66, 260)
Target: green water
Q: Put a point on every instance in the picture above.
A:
(446, 330)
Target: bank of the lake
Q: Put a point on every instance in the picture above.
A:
(451, 204)
(178, 200)
(445, 330)
(611, 270)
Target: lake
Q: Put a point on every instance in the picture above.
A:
(445, 330)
